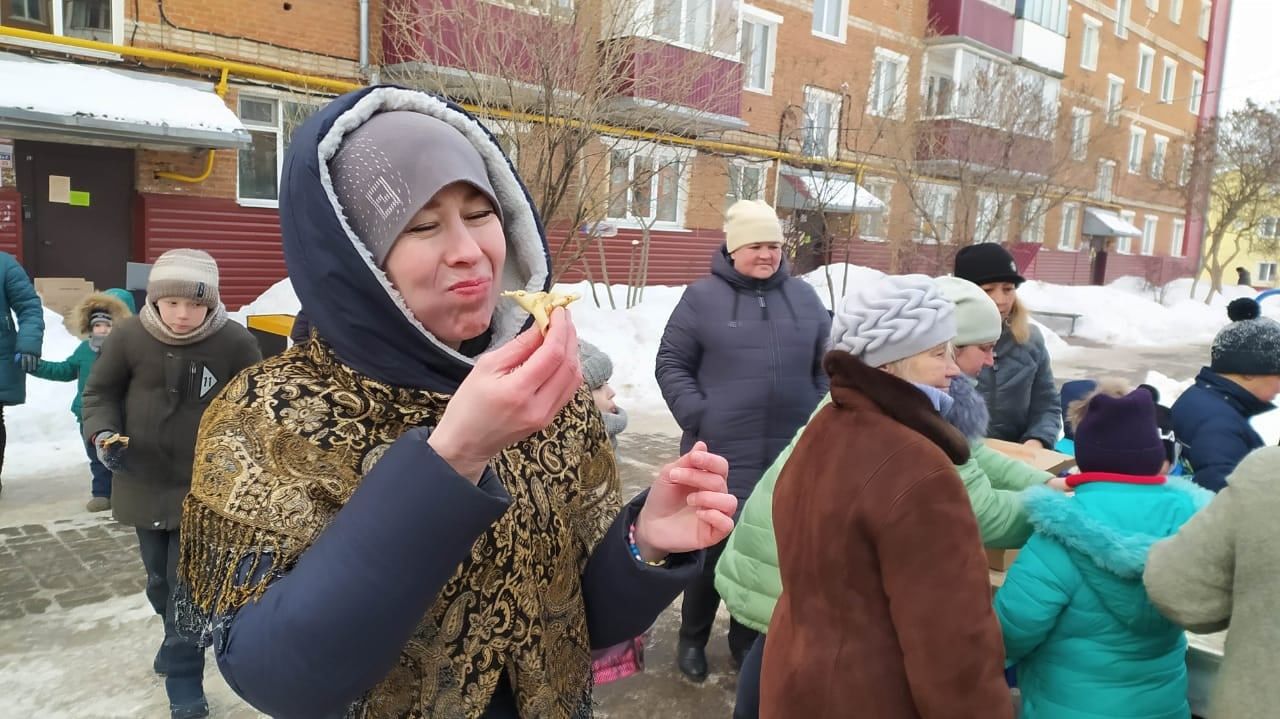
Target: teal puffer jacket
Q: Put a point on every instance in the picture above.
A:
(1077, 622)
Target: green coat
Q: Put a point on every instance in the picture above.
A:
(747, 576)
(76, 367)
(1087, 641)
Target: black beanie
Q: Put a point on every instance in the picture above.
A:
(987, 262)
(1250, 345)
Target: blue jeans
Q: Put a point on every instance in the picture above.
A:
(101, 486)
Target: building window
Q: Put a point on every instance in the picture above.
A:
(822, 111)
(31, 13)
(874, 226)
(1124, 245)
(1168, 80)
(759, 47)
(1122, 17)
(1048, 14)
(1153, 5)
(1206, 13)
(1146, 67)
(1080, 120)
(1149, 234)
(991, 221)
(935, 214)
(1269, 228)
(1033, 212)
(888, 84)
(1175, 11)
(1115, 99)
(746, 181)
(1089, 43)
(1177, 244)
(1158, 154)
(1197, 89)
(646, 184)
(270, 123)
(684, 21)
(1106, 180)
(1070, 227)
(830, 17)
(1266, 272)
(1184, 170)
(1137, 138)
(87, 19)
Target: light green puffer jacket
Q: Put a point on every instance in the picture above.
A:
(747, 576)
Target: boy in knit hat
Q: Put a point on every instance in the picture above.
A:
(597, 368)
(1076, 619)
(1211, 419)
(93, 317)
(142, 407)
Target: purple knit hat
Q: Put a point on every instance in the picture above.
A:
(1119, 435)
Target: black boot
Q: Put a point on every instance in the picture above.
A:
(692, 662)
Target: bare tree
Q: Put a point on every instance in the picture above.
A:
(1237, 172)
(568, 87)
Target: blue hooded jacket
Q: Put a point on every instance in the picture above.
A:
(1211, 421)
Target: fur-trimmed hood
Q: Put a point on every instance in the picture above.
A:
(853, 381)
(1108, 528)
(348, 298)
(968, 412)
(117, 302)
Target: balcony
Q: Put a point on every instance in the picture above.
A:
(989, 22)
(674, 87)
(1040, 33)
(952, 147)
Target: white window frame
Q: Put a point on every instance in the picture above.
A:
(1069, 230)
(282, 141)
(637, 148)
(1033, 220)
(1124, 245)
(1266, 272)
(874, 92)
(1159, 156)
(836, 100)
(1177, 246)
(929, 194)
(1123, 9)
(1168, 80)
(1175, 12)
(1114, 108)
(842, 6)
(686, 39)
(1269, 227)
(1138, 142)
(882, 189)
(1105, 194)
(1150, 226)
(990, 208)
(1184, 169)
(57, 26)
(1080, 140)
(733, 194)
(1153, 5)
(752, 15)
(1197, 93)
(1204, 21)
(1089, 50)
(1147, 61)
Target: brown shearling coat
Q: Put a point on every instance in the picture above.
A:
(886, 604)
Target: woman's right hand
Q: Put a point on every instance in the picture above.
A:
(512, 393)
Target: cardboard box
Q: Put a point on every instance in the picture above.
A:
(60, 294)
(1001, 559)
(1043, 459)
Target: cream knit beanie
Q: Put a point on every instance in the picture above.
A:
(192, 274)
(749, 222)
(977, 317)
(893, 318)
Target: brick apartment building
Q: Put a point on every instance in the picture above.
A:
(820, 108)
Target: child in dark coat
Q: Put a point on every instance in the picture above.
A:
(93, 317)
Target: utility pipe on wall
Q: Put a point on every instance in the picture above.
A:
(364, 38)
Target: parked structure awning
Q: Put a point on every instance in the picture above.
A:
(1101, 223)
(65, 102)
(829, 192)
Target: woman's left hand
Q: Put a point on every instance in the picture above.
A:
(1035, 444)
(688, 507)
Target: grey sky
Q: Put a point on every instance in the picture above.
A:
(1253, 60)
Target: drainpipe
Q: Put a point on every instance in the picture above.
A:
(1210, 106)
(364, 38)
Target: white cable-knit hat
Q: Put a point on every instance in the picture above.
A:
(894, 318)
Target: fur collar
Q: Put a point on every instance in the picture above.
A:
(854, 383)
(969, 412)
(111, 303)
(1114, 550)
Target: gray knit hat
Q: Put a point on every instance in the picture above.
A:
(894, 318)
(392, 165)
(1250, 345)
(192, 274)
(597, 368)
(977, 317)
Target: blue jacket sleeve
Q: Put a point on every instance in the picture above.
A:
(25, 303)
(1044, 417)
(676, 368)
(1035, 591)
(333, 627)
(1218, 448)
(624, 596)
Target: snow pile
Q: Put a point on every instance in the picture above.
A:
(43, 434)
(279, 299)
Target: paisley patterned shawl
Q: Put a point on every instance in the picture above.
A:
(286, 444)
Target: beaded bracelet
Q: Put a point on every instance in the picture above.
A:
(635, 550)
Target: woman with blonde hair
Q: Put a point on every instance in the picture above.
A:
(1019, 387)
